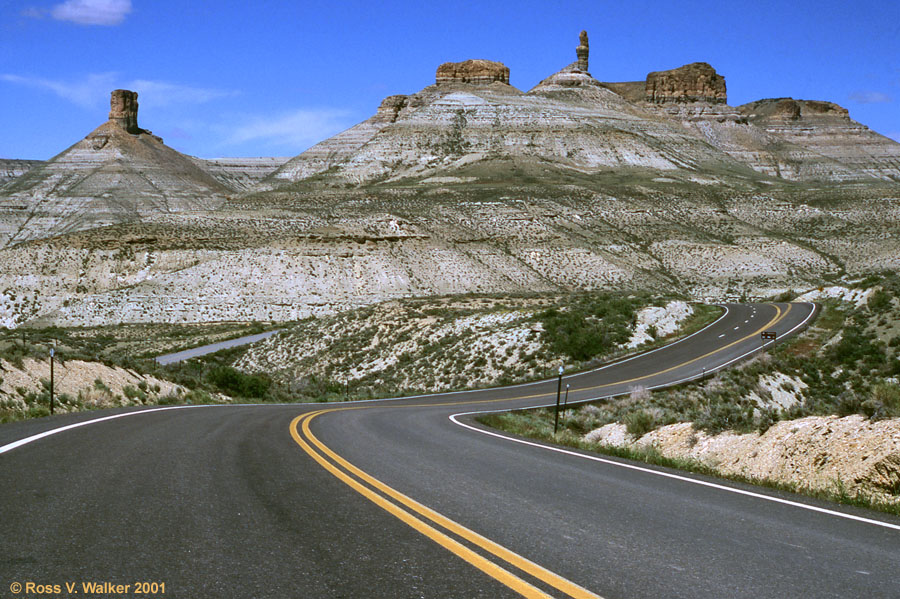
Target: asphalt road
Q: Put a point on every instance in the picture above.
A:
(408, 498)
(187, 354)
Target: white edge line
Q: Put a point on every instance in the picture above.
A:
(670, 475)
(695, 481)
(31, 439)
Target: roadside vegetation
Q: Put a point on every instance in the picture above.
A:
(115, 365)
(443, 344)
(847, 362)
(538, 424)
(123, 345)
(397, 348)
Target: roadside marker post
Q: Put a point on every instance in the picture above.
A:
(52, 352)
(566, 400)
(766, 336)
(558, 393)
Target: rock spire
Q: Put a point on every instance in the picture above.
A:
(582, 52)
(123, 109)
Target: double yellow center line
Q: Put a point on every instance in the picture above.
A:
(430, 523)
(442, 530)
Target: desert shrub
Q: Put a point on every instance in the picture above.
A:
(134, 393)
(169, 400)
(639, 423)
(638, 394)
(879, 301)
(885, 401)
(591, 324)
(725, 415)
(857, 347)
(234, 382)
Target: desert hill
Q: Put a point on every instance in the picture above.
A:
(468, 186)
(675, 120)
(117, 173)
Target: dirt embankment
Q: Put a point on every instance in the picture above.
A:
(829, 453)
(77, 385)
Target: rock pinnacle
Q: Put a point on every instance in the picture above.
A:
(123, 109)
(582, 52)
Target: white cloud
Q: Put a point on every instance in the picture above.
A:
(293, 130)
(87, 93)
(93, 90)
(870, 97)
(92, 12)
(163, 93)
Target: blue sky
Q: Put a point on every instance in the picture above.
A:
(266, 78)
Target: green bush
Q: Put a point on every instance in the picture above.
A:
(879, 301)
(591, 325)
(134, 393)
(885, 401)
(234, 382)
(639, 423)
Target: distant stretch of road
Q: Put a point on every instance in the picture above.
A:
(413, 498)
(212, 348)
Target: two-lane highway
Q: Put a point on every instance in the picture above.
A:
(406, 498)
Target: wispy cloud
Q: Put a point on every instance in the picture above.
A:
(292, 130)
(92, 91)
(870, 97)
(87, 92)
(164, 93)
(92, 12)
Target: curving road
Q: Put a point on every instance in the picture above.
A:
(411, 498)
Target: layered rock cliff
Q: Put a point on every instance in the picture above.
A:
(469, 185)
(337, 149)
(695, 82)
(472, 119)
(827, 129)
(475, 72)
(240, 174)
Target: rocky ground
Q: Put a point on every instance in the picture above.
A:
(289, 256)
(849, 455)
(78, 385)
(99, 367)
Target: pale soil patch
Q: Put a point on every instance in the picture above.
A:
(784, 391)
(817, 453)
(665, 320)
(857, 297)
(408, 347)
